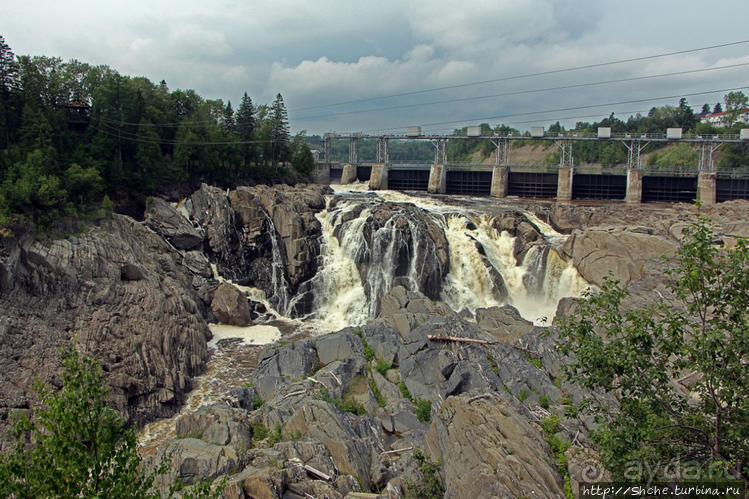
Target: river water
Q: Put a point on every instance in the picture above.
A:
(534, 287)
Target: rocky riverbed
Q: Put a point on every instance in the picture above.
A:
(316, 414)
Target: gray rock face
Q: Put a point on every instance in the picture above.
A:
(230, 306)
(504, 323)
(625, 254)
(500, 453)
(167, 221)
(400, 245)
(122, 295)
(267, 237)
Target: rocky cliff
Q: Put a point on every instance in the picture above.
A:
(118, 292)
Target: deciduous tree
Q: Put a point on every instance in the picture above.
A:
(638, 355)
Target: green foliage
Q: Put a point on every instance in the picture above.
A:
(404, 390)
(424, 410)
(257, 402)
(550, 426)
(259, 431)
(275, 437)
(352, 406)
(382, 366)
(638, 354)
(493, 364)
(431, 485)
(77, 446)
(368, 352)
(543, 401)
(523, 396)
(381, 400)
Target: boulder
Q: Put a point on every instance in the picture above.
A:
(163, 218)
(504, 323)
(230, 306)
(600, 251)
(489, 449)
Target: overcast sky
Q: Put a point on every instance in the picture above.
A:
(320, 53)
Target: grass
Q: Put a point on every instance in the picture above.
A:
(424, 410)
(493, 364)
(404, 390)
(382, 366)
(431, 485)
(523, 395)
(543, 401)
(381, 400)
(550, 426)
(259, 431)
(346, 405)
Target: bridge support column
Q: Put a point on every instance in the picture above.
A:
(349, 173)
(437, 179)
(564, 183)
(706, 187)
(321, 173)
(634, 186)
(500, 174)
(378, 180)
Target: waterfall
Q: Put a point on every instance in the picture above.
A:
(280, 298)
(339, 298)
(371, 243)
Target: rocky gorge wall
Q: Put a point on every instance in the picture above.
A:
(138, 297)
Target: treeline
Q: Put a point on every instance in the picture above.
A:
(657, 120)
(76, 139)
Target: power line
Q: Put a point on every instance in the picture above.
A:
(522, 92)
(631, 101)
(528, 75)
(134, 138)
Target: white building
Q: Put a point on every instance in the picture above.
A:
(719, 119)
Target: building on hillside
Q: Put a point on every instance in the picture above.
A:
(719, 119)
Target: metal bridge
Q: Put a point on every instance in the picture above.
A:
(631, 182)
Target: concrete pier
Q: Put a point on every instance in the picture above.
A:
(349, 173)
(321, 174)
(378, 180)
(437, 179)
(564, 184)
(634, 187)
(500, 175)
(706, 187)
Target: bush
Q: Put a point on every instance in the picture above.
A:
(637, 354)
(77, 446)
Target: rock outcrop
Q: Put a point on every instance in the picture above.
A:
(121, 295)
(489, 448)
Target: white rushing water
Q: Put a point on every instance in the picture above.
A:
(534, 287)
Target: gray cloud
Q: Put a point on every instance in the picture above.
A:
(324, 52)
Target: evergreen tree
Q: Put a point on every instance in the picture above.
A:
(228, 119)
(718, 108)
(280, 131)
(705, 109)
(9, 78)
(245, 125)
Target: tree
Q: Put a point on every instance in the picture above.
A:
(717, 108)
(639, 354)
(245, 125)
(736, 103)
(9, 79)
(78, 446)
(304, 160)
(279, 131)
(705, 109)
